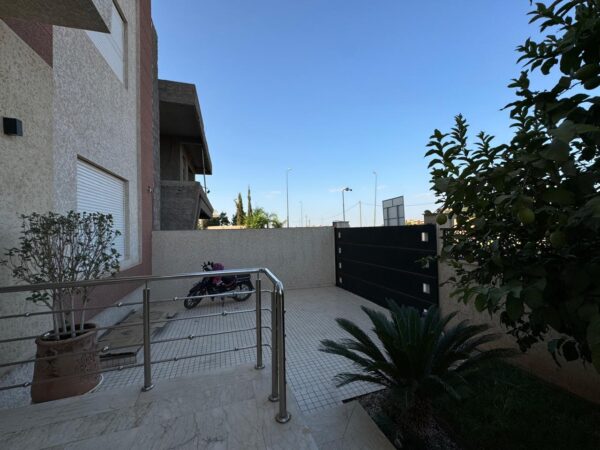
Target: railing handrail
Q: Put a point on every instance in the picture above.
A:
(141, 279)
(278, 375)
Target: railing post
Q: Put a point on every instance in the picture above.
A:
(259, 348)
(283, 416)
(274, 372)
(147, 358)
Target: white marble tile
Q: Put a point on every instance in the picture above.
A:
(87, 426)
(120, 440)
(347, 427)
(67, 409)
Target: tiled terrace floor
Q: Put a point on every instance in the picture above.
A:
(310, 317)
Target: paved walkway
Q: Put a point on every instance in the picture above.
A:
(310, 317)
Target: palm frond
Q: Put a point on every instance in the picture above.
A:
(417, 354)
(370, 348)
(382, 368)
(345, 378)
(444, 385)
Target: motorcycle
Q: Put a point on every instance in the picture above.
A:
(218, 285)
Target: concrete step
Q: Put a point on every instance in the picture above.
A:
(225, 410)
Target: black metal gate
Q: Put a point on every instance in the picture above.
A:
(381, 263)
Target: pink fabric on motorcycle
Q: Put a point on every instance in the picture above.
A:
(217, 266)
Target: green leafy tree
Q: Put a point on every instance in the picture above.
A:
(526, 240)
(57, 248)
(258, 219)
(416, 356)
(261, 219)
(239, 217)
(250, 212)
(274, 221)
(221, 220)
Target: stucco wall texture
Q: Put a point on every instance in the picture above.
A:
(96, 117)
(25, 165)
(572, 376)
(300, 257)
(74, 108)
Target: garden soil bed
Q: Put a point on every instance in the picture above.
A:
(507, 409)
(424, 431)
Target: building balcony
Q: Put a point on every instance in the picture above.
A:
(182, 204)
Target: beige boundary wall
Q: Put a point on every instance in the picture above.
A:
(300, 257)
(572, 376)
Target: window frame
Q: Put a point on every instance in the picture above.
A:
(94, 35)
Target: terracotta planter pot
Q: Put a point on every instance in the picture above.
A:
(47, 384)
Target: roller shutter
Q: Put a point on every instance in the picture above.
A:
(99, 191)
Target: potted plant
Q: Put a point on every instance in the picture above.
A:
(57, 248)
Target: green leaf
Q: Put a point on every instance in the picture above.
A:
(569, 61)
(441, 184)
(533, 297)
(502, 198)
(565, 132)
(552, 317)
(557, 151)
(586, 72)
(559, 196)
(514, 307)
(592, 83)
(593, 332)
(587, 311)
(481, 302)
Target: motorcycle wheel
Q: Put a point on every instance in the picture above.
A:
(243, 286)
(190, 303)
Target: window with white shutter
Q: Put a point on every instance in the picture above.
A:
(112, 45)
(99, 191)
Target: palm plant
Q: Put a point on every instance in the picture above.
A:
(417, 356)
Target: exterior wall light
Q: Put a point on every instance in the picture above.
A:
(12, 127)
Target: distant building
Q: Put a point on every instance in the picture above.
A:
(183, 155)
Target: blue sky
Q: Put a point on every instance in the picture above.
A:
(337, 89)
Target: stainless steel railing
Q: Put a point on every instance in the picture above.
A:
(277, 310)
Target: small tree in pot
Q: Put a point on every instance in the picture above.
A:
(57, 248)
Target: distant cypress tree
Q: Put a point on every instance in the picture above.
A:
(249, 204)
(240, 216)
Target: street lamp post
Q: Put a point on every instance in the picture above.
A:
(375, 204)
(301, 212)
(346, 189)
(287, 197)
